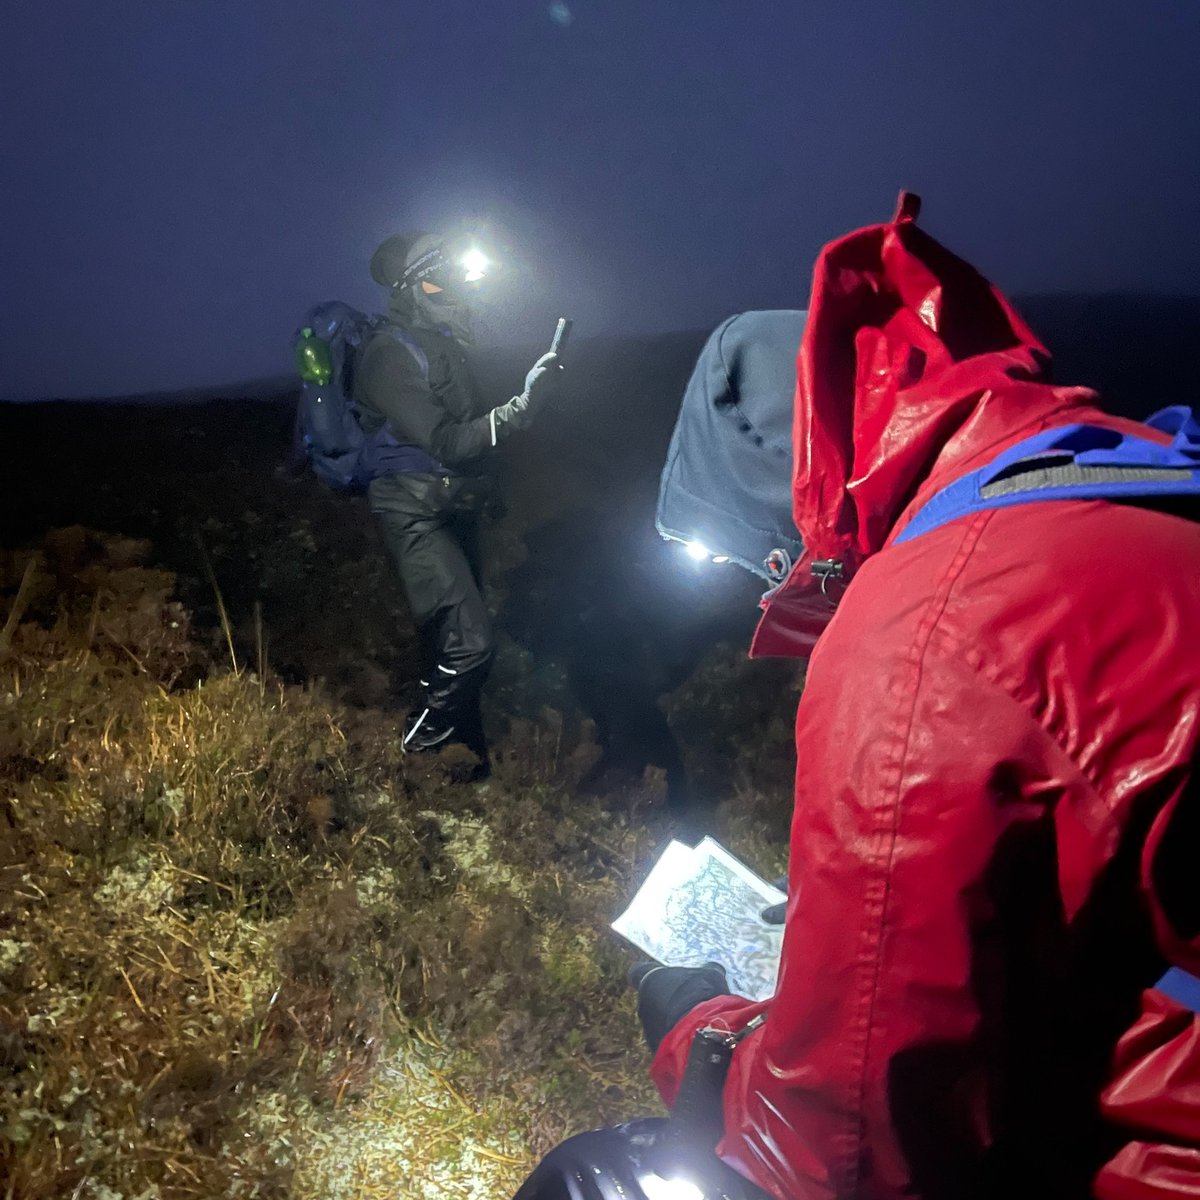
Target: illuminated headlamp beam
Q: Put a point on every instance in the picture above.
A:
(475, 263)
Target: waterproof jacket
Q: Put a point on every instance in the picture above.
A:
(993, 846)
(437, 411)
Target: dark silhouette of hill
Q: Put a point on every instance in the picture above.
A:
(262, 387)
(1138, 351)
(1127, 345)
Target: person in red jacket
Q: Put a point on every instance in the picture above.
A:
(995, 831)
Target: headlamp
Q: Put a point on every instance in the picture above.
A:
(696, 550)
(656, 1187)
(475, 265)
(444, 269)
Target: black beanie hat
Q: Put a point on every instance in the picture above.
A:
(390, 259)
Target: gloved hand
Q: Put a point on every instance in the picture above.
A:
(542, 376)
(667, 994)
(774, 914)
(519, 412)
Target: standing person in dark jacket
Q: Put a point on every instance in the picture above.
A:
(414, 376)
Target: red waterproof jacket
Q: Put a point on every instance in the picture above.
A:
(994, 850)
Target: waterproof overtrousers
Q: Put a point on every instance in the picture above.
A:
(430, 524)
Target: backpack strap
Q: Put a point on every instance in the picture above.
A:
(1181, 987)
(383, 454)
(1074, 462)
(1081, 462)
(410, 343)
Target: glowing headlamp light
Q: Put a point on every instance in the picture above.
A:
(658, 1188)
(475, 263)
(699, 552)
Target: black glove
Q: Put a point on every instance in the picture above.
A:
(667, 994)
(519, 412)
(774, 914)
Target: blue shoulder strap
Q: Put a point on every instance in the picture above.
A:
(1181, 987)
(406, 339)
(1081, 462)
(1074, 462)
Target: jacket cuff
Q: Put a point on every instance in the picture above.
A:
(670, 1061)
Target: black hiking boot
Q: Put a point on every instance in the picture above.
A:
(429, 730)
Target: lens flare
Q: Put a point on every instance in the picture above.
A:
(697, 550)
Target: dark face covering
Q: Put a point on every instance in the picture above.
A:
(442, 312)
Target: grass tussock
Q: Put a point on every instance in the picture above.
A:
(247, 949)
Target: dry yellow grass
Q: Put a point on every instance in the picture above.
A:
(249, 950)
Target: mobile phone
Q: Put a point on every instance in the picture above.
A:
(561, 333)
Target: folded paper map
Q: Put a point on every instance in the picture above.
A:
(702, 905)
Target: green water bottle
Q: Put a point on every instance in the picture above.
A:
(313, 359)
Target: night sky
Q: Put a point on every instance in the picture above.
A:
(182, 178)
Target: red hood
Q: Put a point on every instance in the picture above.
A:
(913, 370)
